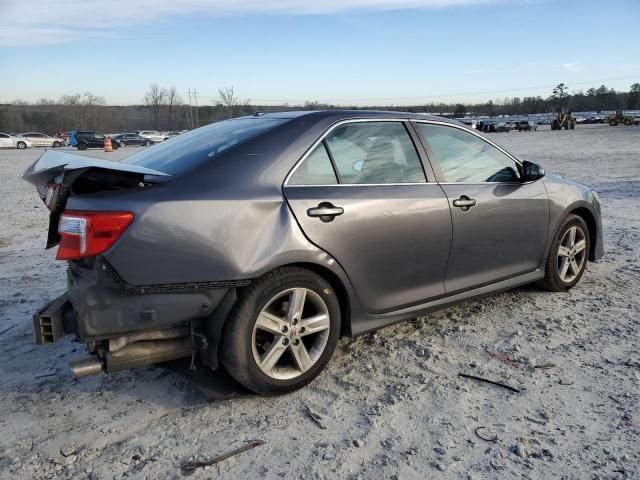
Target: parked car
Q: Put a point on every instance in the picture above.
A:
(502, 127)
(259, 241)
(64, 136)
(10, 141)
(155, 137)
(42, 139)
(86, 140)
(132, 139)
(486, 126)
(526, 126)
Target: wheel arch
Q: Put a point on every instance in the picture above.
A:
(592, 225)
(339, 289)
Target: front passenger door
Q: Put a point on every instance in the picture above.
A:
(500, 223)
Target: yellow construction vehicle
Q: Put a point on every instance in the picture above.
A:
(619, 119)
(563, 119)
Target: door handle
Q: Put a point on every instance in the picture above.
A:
(464, 203)
(325, 211)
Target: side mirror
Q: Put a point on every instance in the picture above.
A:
(532, 171)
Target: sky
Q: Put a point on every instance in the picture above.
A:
(347, 52)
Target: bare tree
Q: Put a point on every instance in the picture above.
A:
(154, 98)
(173, 99)
(82, 109)
(229, 99)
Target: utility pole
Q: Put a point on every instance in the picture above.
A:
(195, 100)
(190, 116)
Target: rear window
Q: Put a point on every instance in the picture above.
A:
(193, 148)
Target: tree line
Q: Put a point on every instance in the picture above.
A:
(164, 109)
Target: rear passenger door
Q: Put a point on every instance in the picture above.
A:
(500, 223)
(361, 194)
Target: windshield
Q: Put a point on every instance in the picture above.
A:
(190, 149)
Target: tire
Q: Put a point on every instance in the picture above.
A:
(57, 144)
(553, 280)
(147, 143)
(82, 146)
(245, 343)
(21, 145)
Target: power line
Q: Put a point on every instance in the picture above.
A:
(439, 95)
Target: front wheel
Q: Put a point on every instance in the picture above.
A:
(282, 332)
(21, 145)
(82, 146)
(147, 143)
(568, 255)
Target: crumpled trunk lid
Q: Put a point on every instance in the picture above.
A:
(56, 175)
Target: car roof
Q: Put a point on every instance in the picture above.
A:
(350, 113)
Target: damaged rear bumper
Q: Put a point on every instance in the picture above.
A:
(127, 326)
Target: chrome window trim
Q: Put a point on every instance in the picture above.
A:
(363, 184)
(328, 131)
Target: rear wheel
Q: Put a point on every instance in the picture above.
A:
(282, 332)
(568, 255)
(82, 146)
(147, 143)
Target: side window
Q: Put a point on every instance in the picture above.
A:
(464, 157)
(375, 152)
(98, 136)
(2, 135)
(315, 170)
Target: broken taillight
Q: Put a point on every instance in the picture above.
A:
(51, 194)
(86, 234)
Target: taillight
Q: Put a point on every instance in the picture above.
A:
(86, 234)
(51, 194)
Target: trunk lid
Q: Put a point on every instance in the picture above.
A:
(56, 175)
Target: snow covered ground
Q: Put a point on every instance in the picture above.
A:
(392, 403)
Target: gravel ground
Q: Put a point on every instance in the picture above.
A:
(392, 403)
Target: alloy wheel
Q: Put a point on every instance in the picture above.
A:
(572, 253)
(290, 333)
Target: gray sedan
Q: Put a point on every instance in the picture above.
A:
(257, 242)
